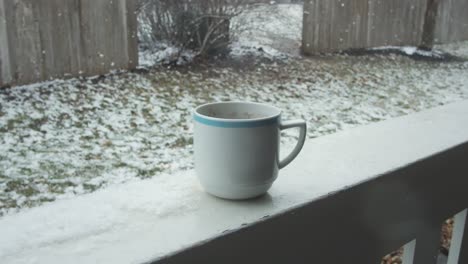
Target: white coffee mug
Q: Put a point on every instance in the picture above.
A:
(237, 147)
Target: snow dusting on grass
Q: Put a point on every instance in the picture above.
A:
(64, 138)
(459, 49)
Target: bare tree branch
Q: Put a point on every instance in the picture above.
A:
(200, 25)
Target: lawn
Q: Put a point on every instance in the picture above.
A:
(69, 137)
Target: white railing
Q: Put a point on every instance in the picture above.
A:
(405, 203)
(351, 197)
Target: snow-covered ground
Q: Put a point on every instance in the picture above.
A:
(272, 31)
(69, 137)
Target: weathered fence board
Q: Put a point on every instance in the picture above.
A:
(132, 35)
(25, 42)
(5, 73)
(331, 25)
(396, 22)
(59, 38)
(44, 39)
(452, 22)
(334, 25)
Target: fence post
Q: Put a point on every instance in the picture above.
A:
(428, 36)
(5, 72)
(132, 33)
(9, 73)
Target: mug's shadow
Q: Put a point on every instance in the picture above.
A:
(263, 200)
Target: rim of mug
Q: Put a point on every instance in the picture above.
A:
(273, 108)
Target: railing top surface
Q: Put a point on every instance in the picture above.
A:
(145, 220)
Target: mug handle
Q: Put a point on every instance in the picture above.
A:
(302, 136)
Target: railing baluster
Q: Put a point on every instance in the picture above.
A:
(423, 250)
(459, 246)
(408, 252)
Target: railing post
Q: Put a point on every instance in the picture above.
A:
(428, 35)
(459, 246)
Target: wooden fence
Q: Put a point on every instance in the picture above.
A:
(333, 25)
(44, 39)
(452, 21)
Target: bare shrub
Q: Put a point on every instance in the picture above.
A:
(202, 26)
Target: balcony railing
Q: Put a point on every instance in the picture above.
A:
(351, 197)
(358, 195)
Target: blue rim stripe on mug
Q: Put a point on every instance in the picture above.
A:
(235, 124)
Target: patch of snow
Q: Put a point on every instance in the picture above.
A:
(255, 49)
(269, 30)
(99, 220)
(164, 55)
(410, 51)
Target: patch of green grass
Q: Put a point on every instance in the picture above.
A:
(181, 142)
(146, 174)
(2, 175)
(110, 128)
(37, 202)
(107, 144)
(7, 203)
(89, 171)
(91, 187)
(147, 115)
(20, 119)
(26, 171)
(59, 187)
(91, 156)
(21, 187)
(35, 124)
(78, 124)
(121, 164)
(55, 171)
